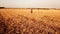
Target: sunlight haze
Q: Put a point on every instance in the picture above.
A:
(30, 3)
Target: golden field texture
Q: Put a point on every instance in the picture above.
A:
(22, 21)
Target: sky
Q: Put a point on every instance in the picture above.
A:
(30, 3)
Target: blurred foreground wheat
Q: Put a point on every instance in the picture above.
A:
(20, 24)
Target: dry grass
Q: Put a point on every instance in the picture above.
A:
(19, 21)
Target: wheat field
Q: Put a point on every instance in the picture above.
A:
(22, 21)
